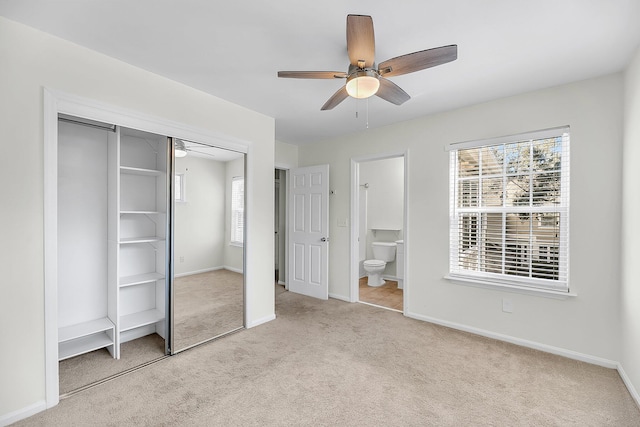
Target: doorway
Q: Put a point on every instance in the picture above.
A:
(280, 227)
(378, 218)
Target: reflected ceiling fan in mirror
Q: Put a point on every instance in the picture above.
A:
(364, 79)
(183, 147)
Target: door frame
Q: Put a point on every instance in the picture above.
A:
(354, 294)
(57, 102)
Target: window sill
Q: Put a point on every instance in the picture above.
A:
(545, 293)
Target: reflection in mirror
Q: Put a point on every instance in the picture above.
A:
(208, 282)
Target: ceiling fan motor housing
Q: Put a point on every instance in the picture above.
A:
(362, 82)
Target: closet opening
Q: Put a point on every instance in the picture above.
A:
(149, 248)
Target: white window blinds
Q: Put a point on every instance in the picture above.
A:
(237, 210)
(509, 210)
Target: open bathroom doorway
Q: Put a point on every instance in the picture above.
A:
(379, 223)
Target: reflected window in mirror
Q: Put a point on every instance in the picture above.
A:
(180, 190)
(237, 211)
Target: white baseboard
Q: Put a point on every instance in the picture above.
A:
(340, 297)
(205, 270)
(280, 282)
(627, 382)
(259, 322)
(594, 360)
(23, 413)
(235, 270)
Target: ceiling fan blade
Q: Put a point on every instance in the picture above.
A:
(417, 61)
(312, 74)
(389, 91)
(361, 43)
(336, 99)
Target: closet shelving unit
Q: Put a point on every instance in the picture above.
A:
(112, 210)
(142, 245)
(85, 337)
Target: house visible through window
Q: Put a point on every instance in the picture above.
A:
(509, 210)
(237, 211)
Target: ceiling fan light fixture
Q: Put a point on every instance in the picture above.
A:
(363, 84)
(180, 150)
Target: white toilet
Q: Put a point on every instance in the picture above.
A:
(383, 252)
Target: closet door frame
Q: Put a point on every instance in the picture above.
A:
(57, 102)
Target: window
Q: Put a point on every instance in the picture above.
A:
(237, 211)
(179, 190)
(509, 210)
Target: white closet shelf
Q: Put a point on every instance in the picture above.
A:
(140, 171)
(142, 318)
(68, 333)
(139, 279)
(140, 213)
(147, 239)
(84, 337)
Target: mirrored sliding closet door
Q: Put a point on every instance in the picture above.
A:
(207, 286)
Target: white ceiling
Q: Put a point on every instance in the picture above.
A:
(233, 49)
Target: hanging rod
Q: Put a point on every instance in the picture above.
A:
(87, 122)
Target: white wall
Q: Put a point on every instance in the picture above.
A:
(32, 60)
(630, 292)
(232, 254)
(82, 223)
(587, 324)
(200, 221)
(286, 155)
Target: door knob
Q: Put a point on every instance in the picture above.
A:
(324, 239)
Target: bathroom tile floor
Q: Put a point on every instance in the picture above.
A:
(387, 295)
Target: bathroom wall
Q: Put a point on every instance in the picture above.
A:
(385, 201)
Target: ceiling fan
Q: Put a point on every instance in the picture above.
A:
(363, 78)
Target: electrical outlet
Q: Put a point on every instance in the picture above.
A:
(507, 305)
(181, 259)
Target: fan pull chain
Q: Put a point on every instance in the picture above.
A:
(367, 124)
(366, 112)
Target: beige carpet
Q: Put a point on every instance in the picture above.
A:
(207, 305)
(97, 365)
(326, 363)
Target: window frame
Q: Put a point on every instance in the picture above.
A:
(458, 272)
(237, 213)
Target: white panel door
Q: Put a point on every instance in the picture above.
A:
(309, 231)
